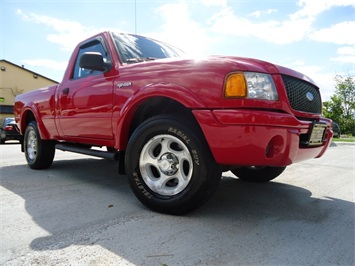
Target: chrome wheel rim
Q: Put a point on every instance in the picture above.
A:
(32, 145)
(166, 165)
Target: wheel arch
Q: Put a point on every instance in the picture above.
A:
(153, 100)
(29, 115)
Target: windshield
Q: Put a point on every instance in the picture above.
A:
(133, 48)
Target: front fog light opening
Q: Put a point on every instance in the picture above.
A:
(274, 147)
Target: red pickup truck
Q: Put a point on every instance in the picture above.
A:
(174, 123)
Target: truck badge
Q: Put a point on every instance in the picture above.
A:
(124, 84)
(309, 96)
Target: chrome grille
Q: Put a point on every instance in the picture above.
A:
(297, 91)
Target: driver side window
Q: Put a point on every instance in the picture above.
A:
(95, 46)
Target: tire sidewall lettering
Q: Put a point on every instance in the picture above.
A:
(179, 134)
(184, 137)
(140, 185)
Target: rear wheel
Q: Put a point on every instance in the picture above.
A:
(258, 173)
(39, 153)
(169, 165)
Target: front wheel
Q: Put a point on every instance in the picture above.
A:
(169, 165)
(258, 174)
(39, 153)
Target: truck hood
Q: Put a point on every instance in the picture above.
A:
(256, 65)
(220, 64)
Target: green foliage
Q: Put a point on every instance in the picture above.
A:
(333, 108)
(341, 107)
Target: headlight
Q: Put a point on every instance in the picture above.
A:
(250, 85)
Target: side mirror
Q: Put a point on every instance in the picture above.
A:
(94, 61)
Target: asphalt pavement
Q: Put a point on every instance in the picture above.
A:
(81, 212)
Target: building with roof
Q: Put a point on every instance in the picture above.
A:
(14, 80)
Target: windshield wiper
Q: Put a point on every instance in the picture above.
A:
(139, 59)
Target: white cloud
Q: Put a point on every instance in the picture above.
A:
(344, 59)
(278, 32)
(66, 33)
(298, 63)
(341, 33)
(259, 13)
(214, 2)
(180, 30)
(346, 50)
(346, 55)
(312, 8)
(298, 26)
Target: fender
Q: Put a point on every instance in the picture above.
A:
(31, 107)
(172, 91)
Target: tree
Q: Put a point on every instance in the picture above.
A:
(333, 108)
(341, 107)
(345, 89)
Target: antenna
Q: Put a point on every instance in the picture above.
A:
(135, 16)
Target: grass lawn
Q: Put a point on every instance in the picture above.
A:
(344, 138)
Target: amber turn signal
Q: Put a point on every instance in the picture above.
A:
(235, 86)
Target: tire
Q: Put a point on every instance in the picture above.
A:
(2, 136)
(169, 165)
(39, 153)
(258, 174)
(111, 149)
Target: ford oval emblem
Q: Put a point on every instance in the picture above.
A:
(309, 96)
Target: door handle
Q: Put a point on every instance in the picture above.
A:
(65, 91)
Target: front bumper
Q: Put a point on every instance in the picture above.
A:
(259, 138)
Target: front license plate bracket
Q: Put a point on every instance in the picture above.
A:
(317, 134)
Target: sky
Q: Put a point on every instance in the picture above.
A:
(315, 37)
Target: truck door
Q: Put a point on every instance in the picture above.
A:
(85, 101)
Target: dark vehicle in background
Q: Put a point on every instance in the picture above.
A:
(336, 130)
(8, 130)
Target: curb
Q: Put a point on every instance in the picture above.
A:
(341, 143)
